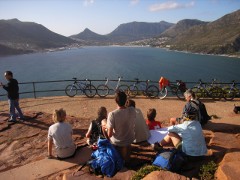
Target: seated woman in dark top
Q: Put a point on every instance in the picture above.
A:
(97, 127)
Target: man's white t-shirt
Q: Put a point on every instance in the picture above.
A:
(122, 121)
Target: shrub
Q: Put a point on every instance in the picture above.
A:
(141, 173)
(207, 171)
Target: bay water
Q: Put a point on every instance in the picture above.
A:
(129, 62)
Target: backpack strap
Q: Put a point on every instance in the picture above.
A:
(196, 105)
(97, 129)
(194, 102)
(84, 164)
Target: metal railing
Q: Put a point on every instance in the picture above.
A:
(35, 91)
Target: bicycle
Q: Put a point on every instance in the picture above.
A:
(104, 89)
(83, 86)
(177, 89)
(230, 92)
(202, 90)
(151, 91)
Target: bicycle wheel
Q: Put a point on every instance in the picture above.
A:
(163, 93)
(152, 91)
(124, 88)
(90, 91)
(216, 93)
(229, 94)
(133, 91)
(102, 90)
(71, 90)
(180, 94)
(198, 92)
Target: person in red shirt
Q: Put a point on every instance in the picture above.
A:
(152, 124)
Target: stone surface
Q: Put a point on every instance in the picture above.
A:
(123, 174)
(46, 167)
(156, 175)
(229, 167)
(84, 174)
(25, 142)
(228, 171)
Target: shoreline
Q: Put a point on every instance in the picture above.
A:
(204, 54)
(137, 46)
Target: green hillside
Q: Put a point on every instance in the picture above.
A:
(218, 37)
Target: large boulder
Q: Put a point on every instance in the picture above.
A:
(156, 175)
(229, 167)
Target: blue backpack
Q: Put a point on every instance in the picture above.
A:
(169, 159)
(106, 159)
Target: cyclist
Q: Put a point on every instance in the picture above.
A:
(13, 96)
(188, 136)
(60, 134)
(141, 129)
(96, 128)
(120, 123)
(152, 124)
(189, 96)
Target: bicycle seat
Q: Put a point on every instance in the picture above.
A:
(74, 78)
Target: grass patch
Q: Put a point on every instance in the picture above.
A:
(208, 170)
(141, 173)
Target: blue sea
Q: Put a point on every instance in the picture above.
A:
(129, 62)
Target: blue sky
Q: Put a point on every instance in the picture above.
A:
(68, 17)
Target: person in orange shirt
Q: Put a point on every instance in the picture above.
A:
(152, 124)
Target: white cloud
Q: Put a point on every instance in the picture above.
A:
(134, 2)
(88, 2)
(170, 5)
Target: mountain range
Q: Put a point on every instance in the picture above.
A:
(125, 32)
(23, 37)
(218, 37)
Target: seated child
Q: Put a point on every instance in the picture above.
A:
(60, 134)
(97, 127)
(152, 124)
